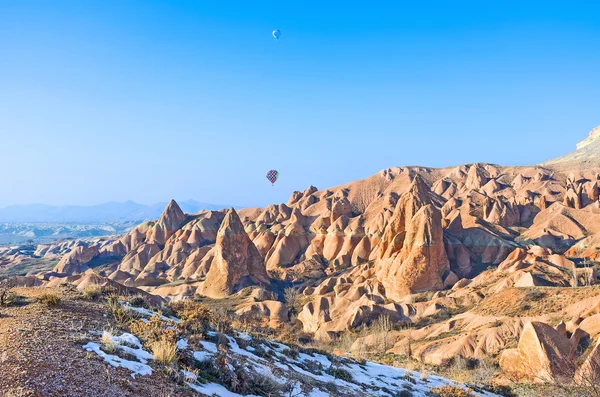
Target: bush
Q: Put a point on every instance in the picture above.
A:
(195, 317)
(138, 301)
(450, 391)
(340, 373)
(164, 351)
(121, 317)
(221, 321)
(262, 385)
(405, 393)
(534, 295)
(502, 390)
(7, 296)
(291, 353)
(293, 300)
(113, 301)
(153, 331)
(407, 377)
(92, 291)
(50, 299)
(107, 343)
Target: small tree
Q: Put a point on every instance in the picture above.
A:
(6, 294)
(293, 300)
(383, 326)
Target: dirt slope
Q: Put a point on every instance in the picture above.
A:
(41, 351)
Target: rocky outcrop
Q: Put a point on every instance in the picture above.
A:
(422, 259)
(476, 177)
(169, 222)
(544, 354)
(593, 135)
(236, 261)
(76, 261)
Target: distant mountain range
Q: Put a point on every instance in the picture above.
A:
(107, 212)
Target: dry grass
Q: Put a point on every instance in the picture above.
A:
(471, 371)
(533, 301)
(107, 344)
(121, 317)
(164, 351)
(195, 317)
(9, 298)
(50, 299)
(138, 301)
(154, 330)
(92, 291)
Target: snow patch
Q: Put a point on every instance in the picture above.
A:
(211, 347)
(182, 344)
(215, 389)
(135, 367)
(202, 356)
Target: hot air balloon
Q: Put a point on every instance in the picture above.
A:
(276, 34)
(272, 176)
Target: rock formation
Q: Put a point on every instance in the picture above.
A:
(544, 355)
(76, 261)
(421, 260)
(236, 261)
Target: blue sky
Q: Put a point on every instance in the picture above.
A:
(152, 100)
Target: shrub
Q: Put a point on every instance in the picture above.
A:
(153, 331)
(340, 373)
(407, 377)
(138, 301)
(450, 391)
(121, 317)
(107, 343)
(92, 291)
(291, 353)
(195, 317)
(249, 321)
(502, 390)
(262, 385)
(405, 393)
(165, 310)
(113, 301)
(221, 321)
(164, 351)
(293, 300)
(534, 295)
(50, 299)
(7, 296)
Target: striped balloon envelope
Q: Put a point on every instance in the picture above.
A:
(272, 176)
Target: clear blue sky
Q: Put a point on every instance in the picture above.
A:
(152, 100)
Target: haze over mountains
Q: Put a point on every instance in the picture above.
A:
(100, 213)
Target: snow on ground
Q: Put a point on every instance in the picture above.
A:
(148, 313)
(202, 356)
(126, 338)
(135, 367)
(182, 344)
(211, 347)
(211, 389)
(125, 341)
(282, 364)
